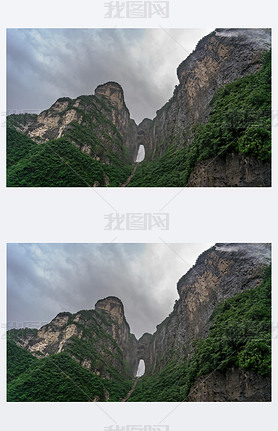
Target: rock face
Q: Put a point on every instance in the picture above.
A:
(234, 385)
(219, 58)
(233, 170)
(119, 114)
(102, 336)
(219, 273)
(100, 339)
(105, 129)
(103, 119)
(120, 330)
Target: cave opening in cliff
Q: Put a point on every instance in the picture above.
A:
(141, 154)
(141, 368)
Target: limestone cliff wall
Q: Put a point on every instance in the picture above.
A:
(219, 58)
(105, 114)
(104, 329)
(234, 385)
(232, 170)
(103, 340)
(219, 273)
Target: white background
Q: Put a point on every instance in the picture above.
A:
(77, 215)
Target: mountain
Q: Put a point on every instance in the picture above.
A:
(214, 131)
(219, 332)
(214, 346)
(82, 142)
(219, 58)
(98, 339)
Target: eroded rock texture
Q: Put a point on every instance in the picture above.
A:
(219, 58)
(100, 339)
(233, 170)
(219, 273)
(233, 385)
(103, 121)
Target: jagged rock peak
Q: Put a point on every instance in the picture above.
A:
(112, 91)
(112, 85)
(113, 306)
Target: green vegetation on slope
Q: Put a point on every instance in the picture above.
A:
(240, 121)
(240, 336)
(18, 335)
(97, 345)
(23, 119)
(64, 162)
(19, 146)
(58, 163)
(18, 360)
(60, 378)
(96, 130)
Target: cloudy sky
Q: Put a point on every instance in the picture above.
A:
(45, 279)
(45, 64)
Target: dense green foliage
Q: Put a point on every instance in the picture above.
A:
(240, 121)
(97, 131)
(60, 378)
(19, 146)
(18, 360)
(15, 119)
(96, 344)
(21, 333)
(240, 336)
(58, 163)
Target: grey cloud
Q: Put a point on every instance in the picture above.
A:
(45, 279)
(45, 64)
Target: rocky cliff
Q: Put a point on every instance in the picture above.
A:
(119, 115)
(233, 385)
(101, 342)
(219, 58)
(219, 273)
(99, 124)
(101, 127)
(231, 170)
(99, 339)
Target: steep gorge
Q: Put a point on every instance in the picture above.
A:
(101, 127)
(100, 339)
